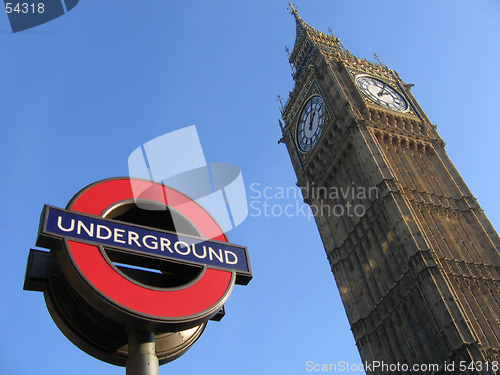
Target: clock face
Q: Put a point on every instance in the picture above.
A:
(381, 93)
(311, 122)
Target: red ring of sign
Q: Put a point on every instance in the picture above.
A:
(193, 301)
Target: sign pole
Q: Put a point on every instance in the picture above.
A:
(142, 358)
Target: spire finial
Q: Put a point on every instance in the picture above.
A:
(282, 109)
(379, 61)
(301, 25)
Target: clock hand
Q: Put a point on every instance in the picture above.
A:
(381, 92)
(311, 121)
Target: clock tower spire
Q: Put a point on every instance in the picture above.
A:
(415, 258)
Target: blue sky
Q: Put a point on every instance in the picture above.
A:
(80, 93)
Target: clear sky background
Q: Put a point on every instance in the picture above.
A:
(80, 93)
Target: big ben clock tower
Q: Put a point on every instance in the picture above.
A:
(415, 259)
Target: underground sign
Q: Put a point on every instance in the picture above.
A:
(133, 270)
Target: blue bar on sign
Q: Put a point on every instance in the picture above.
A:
(135, 239)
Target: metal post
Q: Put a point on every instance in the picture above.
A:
(142, 358)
